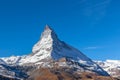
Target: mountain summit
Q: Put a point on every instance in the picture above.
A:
(49, 46)
(48, 37)
(48, 31)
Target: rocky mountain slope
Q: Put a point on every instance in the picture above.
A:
(51, 53)
(64, 74)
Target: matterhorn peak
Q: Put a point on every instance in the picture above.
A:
(47, 27)
(48, 33)
(46, 42)
(50, 46)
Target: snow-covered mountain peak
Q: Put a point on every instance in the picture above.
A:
(46, 42)
(47, 27)
(48, 33)
(49, 46)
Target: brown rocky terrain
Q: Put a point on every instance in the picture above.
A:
(65, 74)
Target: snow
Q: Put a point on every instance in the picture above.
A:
(109, 64)
(113, 61)
(2, 61)
(12, 59)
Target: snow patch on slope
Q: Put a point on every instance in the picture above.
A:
(111, 66)
(2, 61)
(12, 60)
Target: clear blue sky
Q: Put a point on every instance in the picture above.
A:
(92, 26)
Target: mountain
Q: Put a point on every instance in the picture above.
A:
(111, 66)
(54, 55)
(49, 49)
